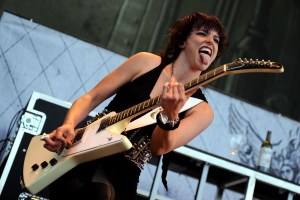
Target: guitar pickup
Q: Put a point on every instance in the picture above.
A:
(78, 136)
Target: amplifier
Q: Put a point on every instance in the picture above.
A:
(43, 114)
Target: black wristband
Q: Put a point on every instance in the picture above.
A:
(167, 126)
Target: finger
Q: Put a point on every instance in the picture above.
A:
(171, 88)
(44, 136)
(165, 88)
(50, 144)
(69, 139)
(175, 90)
(48, 140)
(53, 148)
(63, 141)
(181, 93)
(181, 89)
(172, 79)
(61, 136)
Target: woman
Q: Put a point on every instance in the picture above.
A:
(195, 41)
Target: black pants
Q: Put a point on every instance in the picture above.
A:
(87, 181)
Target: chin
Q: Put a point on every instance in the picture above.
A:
(204, 67)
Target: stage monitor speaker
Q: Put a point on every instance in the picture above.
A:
(43, 114)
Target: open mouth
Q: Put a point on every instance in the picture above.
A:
(206, 50)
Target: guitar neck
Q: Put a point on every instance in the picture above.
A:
(205, 78)
(236, 67)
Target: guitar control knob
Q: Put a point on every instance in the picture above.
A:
(44, 164)
(53, 161)
(34, 167)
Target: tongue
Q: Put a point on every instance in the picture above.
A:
(204, 58)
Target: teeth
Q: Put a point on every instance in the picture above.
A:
(205, 50)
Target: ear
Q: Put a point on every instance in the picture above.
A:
(182, 45)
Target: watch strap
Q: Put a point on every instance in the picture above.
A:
(164, 123)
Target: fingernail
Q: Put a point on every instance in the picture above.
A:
(44, 136)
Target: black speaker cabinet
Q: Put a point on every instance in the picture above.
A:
(43, 114)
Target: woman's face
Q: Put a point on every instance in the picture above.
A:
(201, 48)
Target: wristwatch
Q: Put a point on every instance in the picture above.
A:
(165, 123)
(165, 120)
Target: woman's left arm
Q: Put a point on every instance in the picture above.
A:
(195, 121)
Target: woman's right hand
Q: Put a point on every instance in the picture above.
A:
(63, 135)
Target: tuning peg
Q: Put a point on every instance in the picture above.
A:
(240, 60)
(246, 61)
(256, 62)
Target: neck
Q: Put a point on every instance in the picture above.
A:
(183, 73)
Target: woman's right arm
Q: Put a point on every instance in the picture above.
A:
(107, 87)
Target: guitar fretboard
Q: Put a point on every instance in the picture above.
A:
(203, 78)
(153, 102)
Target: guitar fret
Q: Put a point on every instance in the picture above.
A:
(146, 104)
(151, 101)
(220, 69)
(215, 71)
(122, 115)
(188, 85)
(134, 109)
(111, 120)
(155, 100)
(194, 82)
(126, 113)
(200, 79)
(116, 117)
(138, 107)
(129, 111)
(210, 74)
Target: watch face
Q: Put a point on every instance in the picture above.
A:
(163, 118)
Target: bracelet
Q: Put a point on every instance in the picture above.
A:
(165, 124)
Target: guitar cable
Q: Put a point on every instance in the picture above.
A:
(8, 140)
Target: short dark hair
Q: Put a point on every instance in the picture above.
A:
(179, 32)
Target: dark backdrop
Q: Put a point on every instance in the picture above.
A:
(263, 29)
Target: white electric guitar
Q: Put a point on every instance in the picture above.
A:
(103, 137)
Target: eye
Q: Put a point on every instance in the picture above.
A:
(202, 33)
(217, 40)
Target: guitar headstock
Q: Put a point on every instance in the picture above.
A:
(258, 66)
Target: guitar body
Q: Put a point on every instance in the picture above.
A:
(93, 144)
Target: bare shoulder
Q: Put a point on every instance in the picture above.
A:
(144, 62)
(146, 58)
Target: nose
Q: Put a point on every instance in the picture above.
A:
(210, 39)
